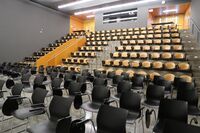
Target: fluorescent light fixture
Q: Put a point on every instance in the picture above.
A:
(73, 3)
(171, 10)
(150, 10)
(163, 2)
(115, 6)
(119, 19)
(90, 16)
(118, 13)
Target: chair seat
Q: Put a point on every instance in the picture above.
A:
(91, 106)
(44, 127)
(193, 110)
(24, 113)
(28, 90)
(132, 116)
(152, 102)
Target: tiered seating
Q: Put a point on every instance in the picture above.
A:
(36, 55)
(147, 48)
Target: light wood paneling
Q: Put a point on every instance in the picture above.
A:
(55, 57)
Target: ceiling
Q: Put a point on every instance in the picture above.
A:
(89, 5)
(181, 9)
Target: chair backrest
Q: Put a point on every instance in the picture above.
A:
(117, 79)
(68, 76)
(167, 84)
(123, 86)
(74, 87)
(39, 79)
(38, 95)
(56, 82)
(157, 79)
(111, 120)
(25, 77)
(137, 81)
(17, 89)
(60, 107)
(53, 75)
(130, 101)
(111, 74)
(10, 83)
(100, 93)
(185, 85)
(173, 110)
(171, 126)
(99, 81)
(189, 95)
(81, 79)
(177, 81)
(97, 73)
(155, 92)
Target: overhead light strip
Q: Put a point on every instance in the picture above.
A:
(171, 10)
(114, 7)
(90, 16)
(105, 21)
(73, 3)
(118, 13)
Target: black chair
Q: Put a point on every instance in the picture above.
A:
(132, 102)
(110, 120)
(171, 126)
(15, 92)
(56, 86)
(100, 94)
(25, 81)
(122, 87)
(53, 75)
(99, 81)
(77, 90)
(185, 85)
(177, 81)
(166, 84)
(59, 109)
(9, 83)
(173, 110)
(190, 96)
(154, 94)
(138, 83)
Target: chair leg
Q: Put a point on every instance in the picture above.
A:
(195, 121)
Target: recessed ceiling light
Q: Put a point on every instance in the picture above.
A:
(73, 3)
(163, 2)
(170, 10)
(150, 10)
(115, 6)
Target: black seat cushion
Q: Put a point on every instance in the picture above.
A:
(44, 127)
(24, 113)
(132, 116)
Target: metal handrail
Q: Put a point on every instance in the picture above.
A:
(60, 52)
(195, 24)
